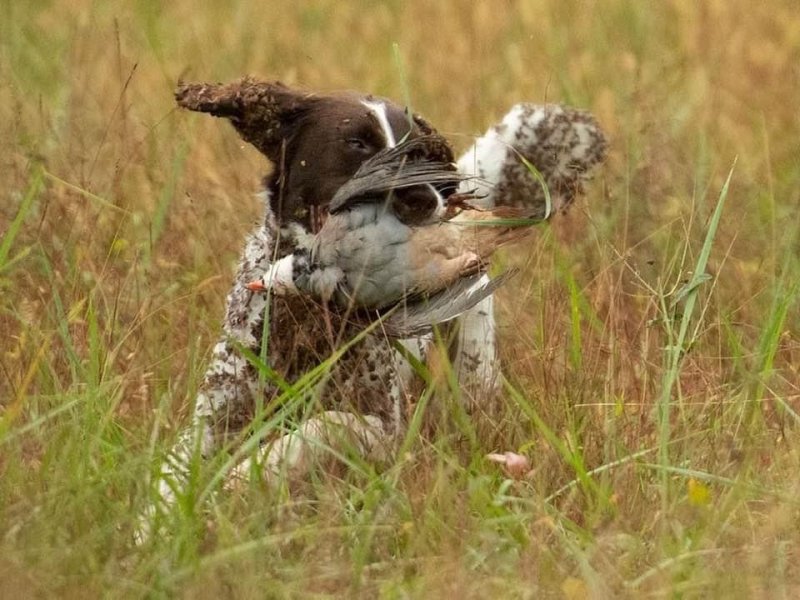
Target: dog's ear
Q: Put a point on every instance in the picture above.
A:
(424, 126)
(260, 111)
(443, 151)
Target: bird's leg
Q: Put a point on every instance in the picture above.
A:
(326, 315)
(458, 202)
(283, 276)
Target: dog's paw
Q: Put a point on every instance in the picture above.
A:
(515, 466)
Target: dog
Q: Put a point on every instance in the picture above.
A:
(316, 143)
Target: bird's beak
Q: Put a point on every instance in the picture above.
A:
(256, 286)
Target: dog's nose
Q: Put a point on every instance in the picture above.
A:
(418, 205)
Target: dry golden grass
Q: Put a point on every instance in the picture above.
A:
(122, 218)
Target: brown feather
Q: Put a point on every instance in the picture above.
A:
(442, 254)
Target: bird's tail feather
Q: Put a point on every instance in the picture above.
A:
(419, 316)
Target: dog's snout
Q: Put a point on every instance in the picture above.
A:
(418, 204)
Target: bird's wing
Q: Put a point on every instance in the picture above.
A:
(417, 315)
(413, 162)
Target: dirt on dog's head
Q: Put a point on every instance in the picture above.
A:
(315, 141)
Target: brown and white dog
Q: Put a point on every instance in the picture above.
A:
(316, 142)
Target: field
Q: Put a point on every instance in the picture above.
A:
(651, 341)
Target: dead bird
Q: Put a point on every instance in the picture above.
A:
(380, 246)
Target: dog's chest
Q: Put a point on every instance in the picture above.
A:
(303, 335)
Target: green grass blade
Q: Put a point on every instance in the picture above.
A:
(677, 347)
(8, 236)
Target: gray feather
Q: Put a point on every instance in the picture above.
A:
(419, 316)
(395, 168)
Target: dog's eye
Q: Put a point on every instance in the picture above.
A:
(357, 144)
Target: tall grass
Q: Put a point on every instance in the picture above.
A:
(651, 374)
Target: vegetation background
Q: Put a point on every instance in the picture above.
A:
(654, 385)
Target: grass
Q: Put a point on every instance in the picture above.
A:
(650, 342)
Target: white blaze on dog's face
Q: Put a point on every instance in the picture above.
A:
(379, 110)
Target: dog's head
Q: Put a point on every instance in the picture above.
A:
(315, 141)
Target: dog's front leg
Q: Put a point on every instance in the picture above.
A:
(328, 438)
(230, 389)
(474, 355)
(475, 359)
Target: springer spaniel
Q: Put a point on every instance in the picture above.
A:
(316, 143)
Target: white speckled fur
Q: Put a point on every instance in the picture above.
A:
(490, 153)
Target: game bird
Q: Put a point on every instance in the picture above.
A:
(379, 247)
